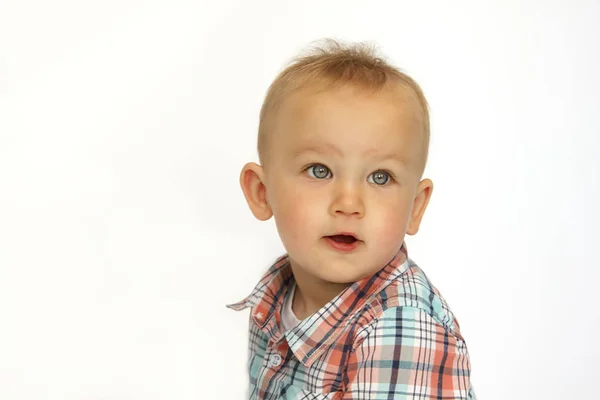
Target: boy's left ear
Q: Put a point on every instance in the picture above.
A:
(419, 205)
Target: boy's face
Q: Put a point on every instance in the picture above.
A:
(344, 161)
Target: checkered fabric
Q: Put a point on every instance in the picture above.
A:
(388, 336)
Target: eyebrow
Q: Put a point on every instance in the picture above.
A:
(328, 148)
(325, 148)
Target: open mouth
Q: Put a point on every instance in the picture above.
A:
(347, 239)
(343, 242)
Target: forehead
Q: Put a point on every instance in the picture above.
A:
(353, 120)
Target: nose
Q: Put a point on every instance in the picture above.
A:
(347, 200)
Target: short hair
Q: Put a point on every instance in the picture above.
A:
(331, 63)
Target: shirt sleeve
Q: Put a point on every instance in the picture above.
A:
(409, 355)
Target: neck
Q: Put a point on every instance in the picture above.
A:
(312, 293)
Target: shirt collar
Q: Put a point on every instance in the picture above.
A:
(316, 333)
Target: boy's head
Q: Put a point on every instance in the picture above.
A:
(343, 142)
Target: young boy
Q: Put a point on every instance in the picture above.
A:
(345, 314)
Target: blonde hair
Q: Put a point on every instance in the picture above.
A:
(331, 64)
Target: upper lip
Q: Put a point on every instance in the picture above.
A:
(346, 234)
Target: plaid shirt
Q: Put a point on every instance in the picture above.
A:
(388, 336)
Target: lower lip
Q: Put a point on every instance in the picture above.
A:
(342, 246)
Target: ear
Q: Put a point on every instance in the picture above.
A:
(252, 181)
(420, 204)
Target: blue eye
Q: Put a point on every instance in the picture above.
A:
(379, 177)
(318, 171)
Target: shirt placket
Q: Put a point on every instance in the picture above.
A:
(275, 369)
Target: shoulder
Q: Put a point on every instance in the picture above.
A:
(408, 354)
(409, 345)
(409, 301)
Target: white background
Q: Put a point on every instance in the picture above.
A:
(123, 231)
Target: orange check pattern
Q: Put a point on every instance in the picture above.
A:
(389, 336)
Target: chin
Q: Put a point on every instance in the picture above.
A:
(342, 275)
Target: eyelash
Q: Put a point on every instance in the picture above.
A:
(392, 177)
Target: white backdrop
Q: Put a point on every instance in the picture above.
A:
(123, 231)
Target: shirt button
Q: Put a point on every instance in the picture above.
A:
(275, 360)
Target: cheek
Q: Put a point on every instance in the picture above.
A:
(297, 213)
(390, 218)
